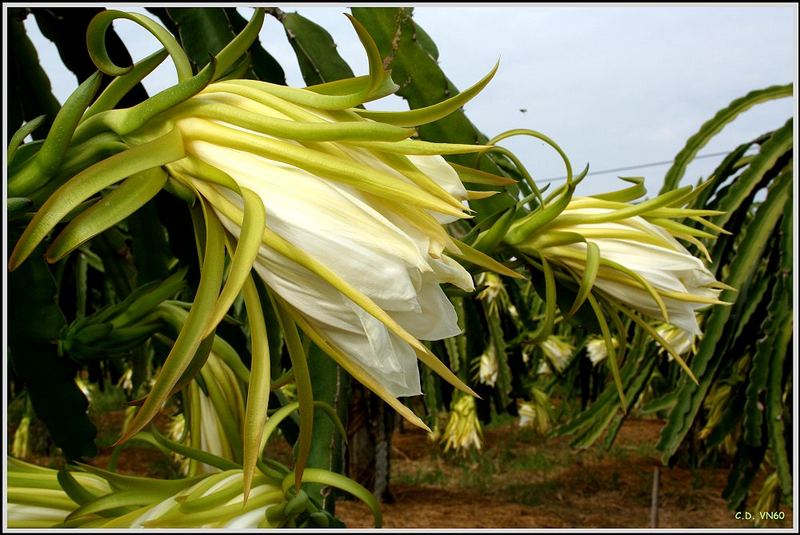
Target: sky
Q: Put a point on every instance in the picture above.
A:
(614, 86)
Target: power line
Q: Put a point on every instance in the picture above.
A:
(640, 166)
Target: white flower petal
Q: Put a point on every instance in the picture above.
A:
(557, 351)
(680, 340)
(329, 223)
(347, 326)
(449, 270)
(667, 266)
(438, 318)
(680, 313)
(596, 349)
(442, 173)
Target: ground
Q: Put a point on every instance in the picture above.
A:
(523, 481)
(520, 481)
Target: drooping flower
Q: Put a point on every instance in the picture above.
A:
(544, 368)
(637, 262)
(536, 413)
(21, 447)
(126, 381)
(488, 366)
(495, 295)
(558, 351)
(463, 431)
(596, 349)
(336, 209)
(527, 413)
(362, 240)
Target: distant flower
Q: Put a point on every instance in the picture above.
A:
(596, 349)
(557, 351)
(463, 431)
(495, 295)
(488, 366)
(21, 447)
(527, 413)
(536, 412)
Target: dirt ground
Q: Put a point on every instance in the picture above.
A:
(523, 481)
(519, 481)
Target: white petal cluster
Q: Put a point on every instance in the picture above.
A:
(527, 414)
(360, 238)
(488, 367)
(536, 412)
(463, 431)
(681, 280)
(557, 351)
(596, 349)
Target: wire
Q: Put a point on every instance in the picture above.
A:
(640, 166)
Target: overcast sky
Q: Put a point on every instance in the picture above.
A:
(615, 86)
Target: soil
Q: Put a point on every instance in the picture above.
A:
(524, 481)
(520, 480)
